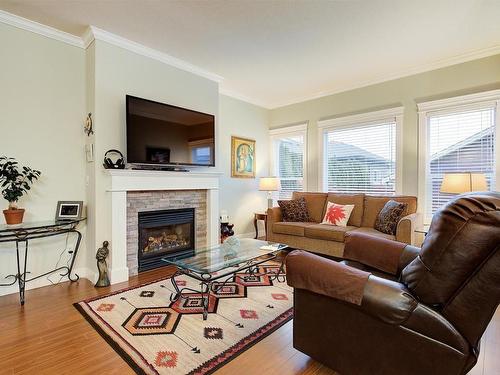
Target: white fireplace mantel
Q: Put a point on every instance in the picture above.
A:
(124, 180)
(134, 180)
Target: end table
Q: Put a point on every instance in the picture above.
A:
(259, 216)
(423, 229)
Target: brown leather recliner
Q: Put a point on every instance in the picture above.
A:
(429, 321)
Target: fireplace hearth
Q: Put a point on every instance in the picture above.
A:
(164, 233)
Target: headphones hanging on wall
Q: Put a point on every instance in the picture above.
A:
(110, 164)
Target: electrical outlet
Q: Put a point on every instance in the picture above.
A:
(89, 152)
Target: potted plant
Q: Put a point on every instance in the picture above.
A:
(15, 181)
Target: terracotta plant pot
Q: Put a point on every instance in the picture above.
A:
(14, 216)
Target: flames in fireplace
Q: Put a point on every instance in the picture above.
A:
(164, 233)
(166, 241)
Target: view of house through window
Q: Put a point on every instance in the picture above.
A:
(458, 141)
(288, 155)
(361, 159)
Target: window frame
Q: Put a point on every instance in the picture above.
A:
(283, 132)
(482, 100)
(357, 121)
(209, 142)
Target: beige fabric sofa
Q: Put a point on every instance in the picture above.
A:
(329, 239)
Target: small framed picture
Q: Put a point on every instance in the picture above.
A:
(69, 210)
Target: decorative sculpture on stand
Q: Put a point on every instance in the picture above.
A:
(102, 266)
(226, 230)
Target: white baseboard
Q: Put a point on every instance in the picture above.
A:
(86, 273)
(5, 290)
(83, 273)
(118, 275)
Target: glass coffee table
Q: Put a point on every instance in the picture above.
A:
(214, 267)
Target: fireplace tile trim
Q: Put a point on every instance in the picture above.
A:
(139, 201)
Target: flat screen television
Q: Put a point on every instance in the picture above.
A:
(163, 134)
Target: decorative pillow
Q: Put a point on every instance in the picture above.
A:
(294, 210)
(388, 217)
(337, 214)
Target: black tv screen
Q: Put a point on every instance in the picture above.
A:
(163, 134)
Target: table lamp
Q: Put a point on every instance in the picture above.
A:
(458, 183)
(269, 184)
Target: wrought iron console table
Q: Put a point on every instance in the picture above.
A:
(29, 231)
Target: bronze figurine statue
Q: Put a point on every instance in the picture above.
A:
(102, 266)
(89, 126)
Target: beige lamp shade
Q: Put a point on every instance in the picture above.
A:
(269, 184)
(458, 183)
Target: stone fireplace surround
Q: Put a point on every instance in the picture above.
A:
(140, 201)
(158, 190)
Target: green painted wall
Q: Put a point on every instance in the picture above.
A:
(42, 109)
(474, 76)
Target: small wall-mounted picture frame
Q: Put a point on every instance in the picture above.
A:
(242, 157)
(69, 210)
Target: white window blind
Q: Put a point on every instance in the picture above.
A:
(361, 158)
(289, 163)
(458, 141)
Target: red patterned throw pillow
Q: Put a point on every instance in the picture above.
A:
(294, 210)
(337, 214)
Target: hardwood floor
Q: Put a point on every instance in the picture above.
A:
(48, 336)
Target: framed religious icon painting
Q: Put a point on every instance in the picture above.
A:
(242, 157)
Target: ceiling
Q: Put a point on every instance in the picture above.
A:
(274, 52)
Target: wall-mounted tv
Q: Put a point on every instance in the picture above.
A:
(163, 134)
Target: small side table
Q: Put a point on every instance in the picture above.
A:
(259, 216)
(423, 229)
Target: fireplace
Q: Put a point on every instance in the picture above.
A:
(164, 233)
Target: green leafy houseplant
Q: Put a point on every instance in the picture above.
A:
(15, 181)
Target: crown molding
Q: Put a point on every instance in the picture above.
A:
(443, 63)
(87, 37)
(40, 29)
(98, 34)
(246, 99)
(93, 33)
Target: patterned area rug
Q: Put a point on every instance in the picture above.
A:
(156, 336)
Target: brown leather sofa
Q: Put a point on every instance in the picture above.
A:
(429, 322)
(329, 239)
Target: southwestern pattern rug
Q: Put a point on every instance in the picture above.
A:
(156, 336)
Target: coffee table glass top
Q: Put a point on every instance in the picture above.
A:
(228, 254)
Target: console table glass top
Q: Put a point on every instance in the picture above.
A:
(34, 225)
(219, 257)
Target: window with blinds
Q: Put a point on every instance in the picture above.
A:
(289, 163)
(459, 140)
(361, 158)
